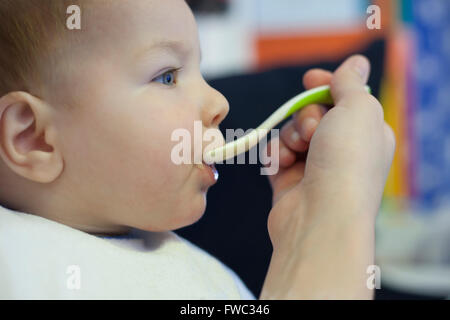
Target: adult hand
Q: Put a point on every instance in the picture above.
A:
(329, 188)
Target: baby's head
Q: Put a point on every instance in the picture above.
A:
(86, 116)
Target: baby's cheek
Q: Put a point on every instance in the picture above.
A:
(160, 169)
(166, 151)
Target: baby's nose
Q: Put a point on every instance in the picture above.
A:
(215, 109)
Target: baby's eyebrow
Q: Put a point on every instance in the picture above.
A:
(172, 45)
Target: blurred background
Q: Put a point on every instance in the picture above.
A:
(256, 51)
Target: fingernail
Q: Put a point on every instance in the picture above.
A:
(361, 66)
(295, 137)
(308, 124)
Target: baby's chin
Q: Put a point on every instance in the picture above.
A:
(189, 212)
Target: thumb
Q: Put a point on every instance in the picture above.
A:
(350, 78)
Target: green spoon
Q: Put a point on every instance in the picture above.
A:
(319, 95)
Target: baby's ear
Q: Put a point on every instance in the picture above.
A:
(28, 138)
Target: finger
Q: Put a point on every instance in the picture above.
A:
(291, 137)
(287, 180)
(285, 158)
(307, 120)
(349, 79)
(316, 77)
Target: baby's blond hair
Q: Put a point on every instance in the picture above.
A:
(33, 37)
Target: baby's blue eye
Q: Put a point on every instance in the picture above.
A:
(167, 78)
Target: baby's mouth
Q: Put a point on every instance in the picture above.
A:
(211, 167)
(203, 164)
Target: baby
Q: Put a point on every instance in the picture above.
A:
(91, 196)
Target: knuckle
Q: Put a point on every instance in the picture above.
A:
(345, 74)
(354, 95)
(390, 136)
(362, 96)
(376, 106)
(370, 105)
(336, 80)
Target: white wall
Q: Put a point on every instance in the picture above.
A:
(227, 41)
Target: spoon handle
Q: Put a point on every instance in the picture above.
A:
(320, 95)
